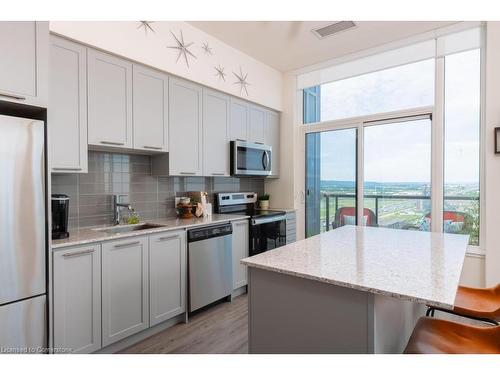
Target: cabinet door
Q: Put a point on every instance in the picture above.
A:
(167, 276)
(257, 124)
(272, 138)
(77, 298)
(109, 100)
(68, 106)
(24, 62)
(239, 120)
(150, 105)
(125, 297)
(240, 251)
(216, 114)
(185, 128)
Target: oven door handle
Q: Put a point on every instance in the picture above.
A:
(265, 220)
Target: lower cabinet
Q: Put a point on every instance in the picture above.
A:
(167, 276)
(240, 251)
(125, 295)
(291, 224)
(77, 298)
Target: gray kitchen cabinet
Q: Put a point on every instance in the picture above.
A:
(240, 242)
(150, 109)
(109, 100)
(68, 106)
(77, 298)
(125, 296)
(256, 124)
(239, 120)
(272, 138)
(291, 227)
(185, 128)
(167, 275)
(24, 59)
(216, 128)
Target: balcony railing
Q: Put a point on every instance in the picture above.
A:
(329, 197)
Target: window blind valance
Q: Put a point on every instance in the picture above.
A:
(436, 47)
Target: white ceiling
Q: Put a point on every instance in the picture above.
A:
(289, 45)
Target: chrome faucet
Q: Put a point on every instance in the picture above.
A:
(117, 206)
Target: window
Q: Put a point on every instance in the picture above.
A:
(387, 90)
(461, 144)
(331, 179)
(394, 151)
(397, 174)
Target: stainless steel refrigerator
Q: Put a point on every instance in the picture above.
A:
(23, 322)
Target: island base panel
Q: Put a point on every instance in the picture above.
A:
(289, 314)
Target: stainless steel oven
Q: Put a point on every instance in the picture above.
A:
(250, 159)
(267, 232)
(267, 228)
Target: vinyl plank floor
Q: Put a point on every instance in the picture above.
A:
(220, 329)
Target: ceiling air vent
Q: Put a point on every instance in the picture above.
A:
(333, 28)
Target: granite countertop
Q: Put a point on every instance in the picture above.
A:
(90, 235)
(416, 266)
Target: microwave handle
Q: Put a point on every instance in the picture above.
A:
(265, 160)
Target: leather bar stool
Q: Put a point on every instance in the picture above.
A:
(475, 303)
(436, 336)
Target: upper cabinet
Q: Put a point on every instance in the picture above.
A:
(272, 138)
(109, 100)
(150, 109)
(24, 57)
(67, 113)
(257, 124)
(216, 121)
(239, 120)
(185, 128)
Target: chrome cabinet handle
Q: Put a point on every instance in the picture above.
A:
(259, 143)
(112, 143)
(12, 96)
(153, 147)
(78, 253)
(218, 174)
(168, 237)
(190, 173)
(66, 169)
(241, 140)
(128, 244)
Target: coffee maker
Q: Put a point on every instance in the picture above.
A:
(60, 213)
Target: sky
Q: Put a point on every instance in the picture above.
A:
(401, 152)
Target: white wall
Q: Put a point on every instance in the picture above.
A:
(492, 161)
(123, 38)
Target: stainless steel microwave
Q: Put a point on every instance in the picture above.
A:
(250, 159)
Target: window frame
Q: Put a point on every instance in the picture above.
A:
(437, 145)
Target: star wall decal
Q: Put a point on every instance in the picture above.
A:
(207, 49)
(220, 72)
(182, 47)
(146, 25)
(242, 81)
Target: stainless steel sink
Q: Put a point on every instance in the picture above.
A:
(129, 228)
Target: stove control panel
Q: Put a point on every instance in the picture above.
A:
(227, 199)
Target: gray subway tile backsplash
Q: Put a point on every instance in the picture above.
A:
(151, 196)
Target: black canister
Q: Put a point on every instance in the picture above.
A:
(60, 213)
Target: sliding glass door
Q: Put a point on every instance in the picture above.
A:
(331, 169)
(392, 159)
(397, 173)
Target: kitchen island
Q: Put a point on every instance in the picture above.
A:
(351, 290)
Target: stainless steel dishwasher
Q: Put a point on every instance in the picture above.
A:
(210, 264)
